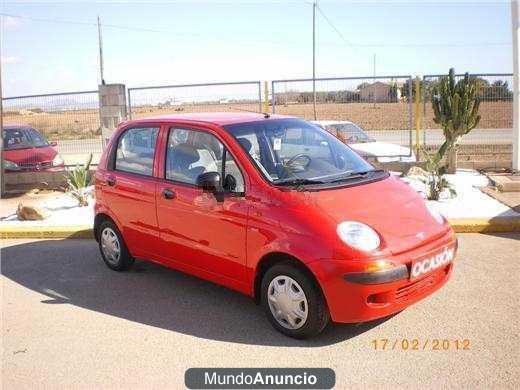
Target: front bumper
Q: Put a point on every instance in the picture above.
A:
(351, 301)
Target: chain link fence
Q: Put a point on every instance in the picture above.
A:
(70, 121)
(489, 145)
(178, 99)
(381, 106)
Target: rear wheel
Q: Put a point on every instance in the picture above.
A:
(293, 302)
(113, 248)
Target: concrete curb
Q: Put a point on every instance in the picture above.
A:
(460, 225)
(486, 225)
(73, 231)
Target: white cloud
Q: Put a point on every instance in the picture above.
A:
(9, 60)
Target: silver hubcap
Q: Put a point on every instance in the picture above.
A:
(110, 246)
(287, 302)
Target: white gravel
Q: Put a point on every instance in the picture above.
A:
(470, 201)
(62, 210)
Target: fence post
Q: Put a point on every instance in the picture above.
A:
(273, 97)
(516, 86)
(112, 108)
(417, 116)
(266, 97)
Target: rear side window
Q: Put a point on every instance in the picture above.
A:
(135, 151)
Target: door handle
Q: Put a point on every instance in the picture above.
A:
(168, 194)
(111, 181)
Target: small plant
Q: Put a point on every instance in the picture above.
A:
(435, 181)
(78, 180)
(455, 107)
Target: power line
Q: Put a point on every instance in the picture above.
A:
(416, 45)
(327, 19)
(347, 42)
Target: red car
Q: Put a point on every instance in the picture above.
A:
(26, 150)
(274, 207)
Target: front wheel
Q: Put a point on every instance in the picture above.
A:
(293, 302)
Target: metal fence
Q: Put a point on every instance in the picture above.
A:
(491, 141)
(376, 104)
(70, 119)
(170, 99)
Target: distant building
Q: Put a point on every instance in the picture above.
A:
(380, 92)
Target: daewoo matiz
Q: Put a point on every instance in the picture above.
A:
(274, 207)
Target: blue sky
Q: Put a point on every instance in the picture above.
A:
(237, 40)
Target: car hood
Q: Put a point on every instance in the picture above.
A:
(389, 206)
(380, 149)
(30, 155)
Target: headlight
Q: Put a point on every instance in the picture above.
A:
(358, 235)
(57, 161)
(11, 165)
(436, 215)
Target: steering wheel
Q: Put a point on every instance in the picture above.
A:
(295, 158)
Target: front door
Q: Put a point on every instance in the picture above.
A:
(195, 228)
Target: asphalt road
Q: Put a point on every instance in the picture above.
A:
(68, 321)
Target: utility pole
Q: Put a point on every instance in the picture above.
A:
(515, 13)
(374, 82)
(314, 5)
(100, 43)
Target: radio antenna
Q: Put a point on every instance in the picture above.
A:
(265, 114)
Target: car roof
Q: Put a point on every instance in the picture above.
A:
(216, 118)
(331, 122)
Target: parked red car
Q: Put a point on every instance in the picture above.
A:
(26, 150)
(274, 207)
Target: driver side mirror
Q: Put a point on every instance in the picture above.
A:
(54, 143)
(210, 182)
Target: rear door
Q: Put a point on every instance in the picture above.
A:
(129, 189)
(196, 229)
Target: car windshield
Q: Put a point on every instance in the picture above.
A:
(296, 151)
(349, 132)
(23, 138)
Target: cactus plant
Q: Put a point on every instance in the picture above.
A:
(455, 107)
(77, 181)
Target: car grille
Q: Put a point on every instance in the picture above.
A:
(417, 287)
(35, 166)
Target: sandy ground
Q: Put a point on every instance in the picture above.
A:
(69, 322)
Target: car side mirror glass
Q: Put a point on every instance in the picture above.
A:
(54, 143)
(230, 183)
(210, 182)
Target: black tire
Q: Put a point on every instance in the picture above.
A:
(318, 314)
(125, 260)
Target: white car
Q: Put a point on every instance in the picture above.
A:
(361, 142)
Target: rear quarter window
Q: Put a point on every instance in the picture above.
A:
(136, 150)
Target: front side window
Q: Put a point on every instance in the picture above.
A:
(293, 150)
(191, 153)
(136, 150)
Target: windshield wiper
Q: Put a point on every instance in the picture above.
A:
(356, 175)
(298, 181)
